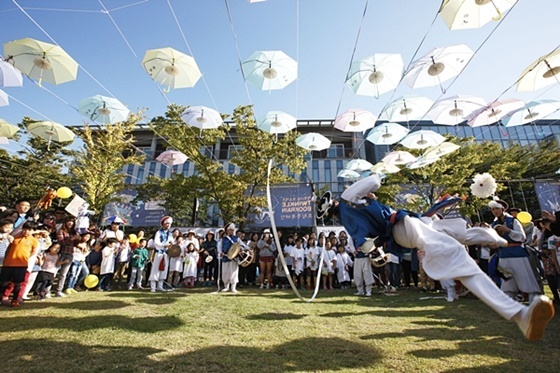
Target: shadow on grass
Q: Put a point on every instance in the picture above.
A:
(276, 316)
(94, 305)
(308, 354)
(137, 324)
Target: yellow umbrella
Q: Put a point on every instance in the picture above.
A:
(7, 129)
(469, 14)
(51, 131)
(41, 61)
(172, 68)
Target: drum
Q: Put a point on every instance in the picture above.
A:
(174, 251)
(209, 259)
(245, 257)
(233, 250)
(378, 257)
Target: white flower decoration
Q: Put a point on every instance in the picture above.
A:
(484, 185)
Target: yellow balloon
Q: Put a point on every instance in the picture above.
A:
(133, 238)
(64, 192)
(524, 217)
(91, 281)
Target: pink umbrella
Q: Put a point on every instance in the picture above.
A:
(397, 158)
(172, 157)
(494, 112)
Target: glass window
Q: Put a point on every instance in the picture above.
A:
(186, 167)
(207, 151)
(231, 168)
(147, 151)
(163, 170)
(233, 149)
(315, 168)
(335, 151)
(140, 175)
(328, 174)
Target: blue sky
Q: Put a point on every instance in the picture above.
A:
(320, 34)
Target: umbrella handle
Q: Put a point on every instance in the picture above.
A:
(499, 16)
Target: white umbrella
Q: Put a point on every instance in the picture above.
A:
(387, 133)
(277, 122)
(541, 73)
(172, 157)
(468, 14)
(171, 68)
(407, 108)
(376, 74)
(268, 70)
(103, 109)
(384, 168)
(313, 141)
(422, 139)
(494, 112)
(51, 131)
(7, 129)
(397, 158)
(440, 150)
(455, 109)
(421, 162)
(202, 117)
(533, 111)
(4, 98)
(359, 165)
(9, 75)
(438, 66)
(348, 174)
(355, 120)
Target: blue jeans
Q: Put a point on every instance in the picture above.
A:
(74, 272)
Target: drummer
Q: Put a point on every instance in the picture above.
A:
(230, 268)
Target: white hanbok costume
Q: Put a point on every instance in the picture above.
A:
(343, 261)
(191, 261)
(162, 240)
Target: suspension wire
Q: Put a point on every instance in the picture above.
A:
(105, 11)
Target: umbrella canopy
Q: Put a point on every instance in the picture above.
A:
(4, 98)
(277, 122)
(171, 68)
(115, 219)
(355, 120)
(376, 74)
(51, 131)
(384, 168)
(387, 133)
(313, 141)
(359, 165)
(103, 109)
(438, 66)
(534, 110)
(172, 157)
(494, 112)
(407, 108)
(7, 129)
(268, 70)
(455, 109)
(41, 61)
(9, 75)
(398, 158)
(422, 139)
(421, 162)
(4, 140)
(440, 150)
(202, 117)
(468, 14)
(348, 174)
(541, 73)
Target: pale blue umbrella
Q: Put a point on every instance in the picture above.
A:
(103, 109)
(202, 117)
(277, 122)
(313, 141)
(268, 70)
(387, 134)
(455, 109)
(407, 108)
(375, 74)
(422, 139)
(359, 165)
(348, 174)
(4, 98)
(533, 111)
(355, 120)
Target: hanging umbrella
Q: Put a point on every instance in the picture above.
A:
(455, 109)
(494, 112)
(171, 68)
(421, 162)
(115, 219)
(9, 75)
(359, 165)
(268, 70)
(313, 141)
(440, 150)
(438, 66)
(533, 111)
(384, 168)
(172, 157)
(4, 141)
(422, 139)
(7, 129)
(355, 120)
(387, 133)
(376, 74)
(51, 131)
(541, 73)
(103, 109)
(397, 158)
(4, 98)
(202, 117)
(407, 108)
(41, 61)
(348, 174)
(468, 14)
(277, 122)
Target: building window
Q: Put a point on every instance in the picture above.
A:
(315, 170)
(233, 150)
(328, 174)
(140, 178)
(231, 168)
(163, 170)
(207, 151)
(335, 151)
(147, 151)
(152, 169)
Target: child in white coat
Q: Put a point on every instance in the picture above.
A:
(343, 262)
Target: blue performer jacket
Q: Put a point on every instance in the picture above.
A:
(226, 244)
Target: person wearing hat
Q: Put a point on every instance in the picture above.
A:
(513, 259)
(160, 261)
(442, 243)
(230, 268)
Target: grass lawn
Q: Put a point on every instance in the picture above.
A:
(266, 331)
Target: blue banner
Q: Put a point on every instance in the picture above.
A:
(145, 214)
(548, 194)
(292, 207)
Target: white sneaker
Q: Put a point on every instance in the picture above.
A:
(153, 290)
(368, 294)
(535, 318)
(234, 291)
(60, 295)
(225, 290)
(451, 295)
(262, 286)
(268, 286)
(359, 293)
